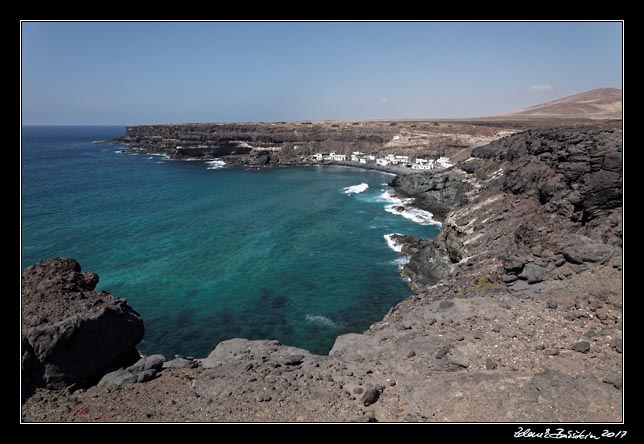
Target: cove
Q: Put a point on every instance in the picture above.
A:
(205, 254)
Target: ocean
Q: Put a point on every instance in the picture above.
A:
(206, 253)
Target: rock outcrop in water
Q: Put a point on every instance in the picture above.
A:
(71, 333)
(517, 314)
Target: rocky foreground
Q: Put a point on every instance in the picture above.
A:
(517, 314)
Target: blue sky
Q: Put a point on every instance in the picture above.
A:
(132, 73)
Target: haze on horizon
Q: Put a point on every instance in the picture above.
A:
(84, 73)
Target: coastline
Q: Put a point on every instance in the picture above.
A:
(523, 303)
(234, 161)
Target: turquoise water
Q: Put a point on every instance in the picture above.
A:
(210, 254)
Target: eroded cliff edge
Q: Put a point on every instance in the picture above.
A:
(518, 301)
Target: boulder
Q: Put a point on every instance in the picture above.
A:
(142, 370)
(73, 334)
(578, 249)
(370, 396)
(534, 273)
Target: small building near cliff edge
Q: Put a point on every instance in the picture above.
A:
(317, 156)
(339, 157)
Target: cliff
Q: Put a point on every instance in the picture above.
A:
(517, 314)
(291, 142)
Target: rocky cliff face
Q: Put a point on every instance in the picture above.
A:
(264, 140)
(71, 333)
(290, 142)
(517, 314)
(542, 199)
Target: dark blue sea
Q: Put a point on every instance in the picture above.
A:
(210, 254)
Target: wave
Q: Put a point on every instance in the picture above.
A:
(356, 189)
(393, 244)
(215, 164)
(320, 320)
(402, 207)
(402, 261)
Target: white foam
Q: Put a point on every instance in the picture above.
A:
(402, 261)
(356, 189)
(393, 244)
(320, 320)
(417, 215)
(215, 164)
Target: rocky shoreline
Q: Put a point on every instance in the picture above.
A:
(517, 301)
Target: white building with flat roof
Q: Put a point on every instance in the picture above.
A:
(339, 157)
(317, 156)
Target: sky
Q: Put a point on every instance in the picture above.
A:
(119, 73)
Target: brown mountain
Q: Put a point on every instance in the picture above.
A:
(601, 103)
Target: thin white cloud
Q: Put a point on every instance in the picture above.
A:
(384, 99)
(541, 88)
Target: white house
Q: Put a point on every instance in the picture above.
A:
(339, 157)
(396, 137)
(357, 153)
(363, 160)
(390, 157)
(317, 156)
(382, 162)
(422, 166)
(421, 161)
(444, 162)
(402, 159)
(354, 158)
(371, 157)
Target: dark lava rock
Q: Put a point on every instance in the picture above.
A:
(508, 278)
(578, 249)
(446, 304)
(142, 370)
(613, 379)
(513, 264)
(369, 397)
(552, 304)
(152, 362)
(581, 346)
(73, 334)
(118, 377)
(490, 364)
(533, 273)
(616, 344)
(188, 363)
